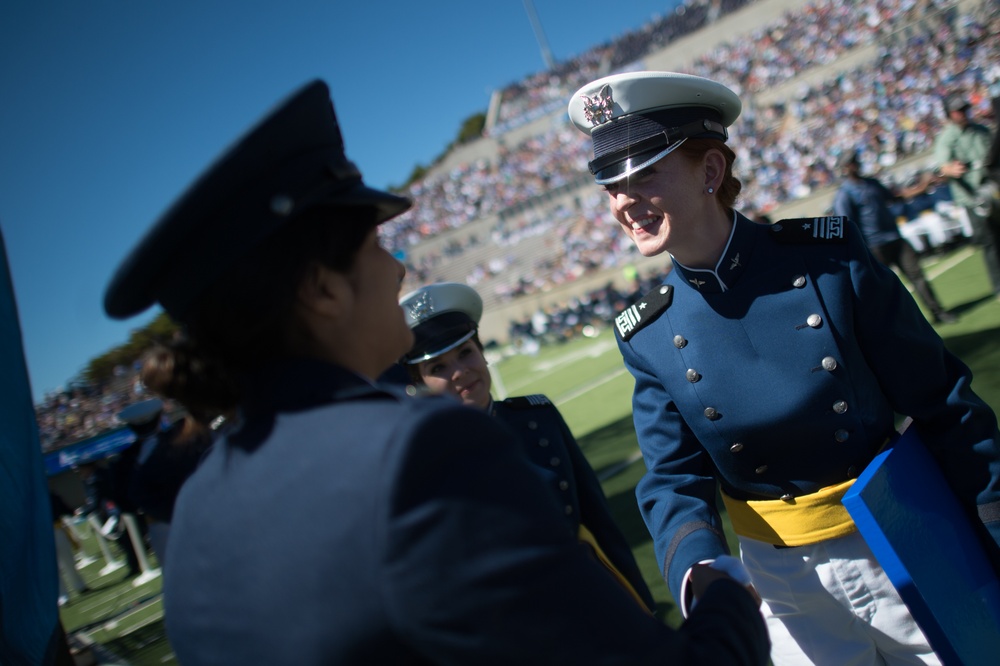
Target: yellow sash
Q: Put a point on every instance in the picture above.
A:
(807, 519)
(585, 536)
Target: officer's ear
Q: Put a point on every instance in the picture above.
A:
(715, 169)
(323, 292)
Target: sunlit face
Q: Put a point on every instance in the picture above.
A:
(660, 206)
(461, 372)
(376, 279)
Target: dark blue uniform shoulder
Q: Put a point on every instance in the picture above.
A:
(644, 311)
(808, 230)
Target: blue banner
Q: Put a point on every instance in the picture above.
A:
(86, 450)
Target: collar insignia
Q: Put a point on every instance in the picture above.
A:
(735, 262)
(422, 307)
(696, 282)
(598, 109)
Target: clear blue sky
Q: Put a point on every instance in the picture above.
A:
(110, 109)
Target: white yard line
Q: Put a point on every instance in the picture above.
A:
(580, 390)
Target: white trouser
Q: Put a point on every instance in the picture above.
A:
(830, 603)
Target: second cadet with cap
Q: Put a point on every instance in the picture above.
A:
(772, 363)
(447, 357)
(338, 522)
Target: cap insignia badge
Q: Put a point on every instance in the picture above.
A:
(422, 307)
(598, 109)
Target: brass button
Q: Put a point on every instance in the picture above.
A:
(554, 462)
(680, 342)
(711, 413)
(692, 375)
(569, 510)
(840, 406)
(736, 448)
(543, 442)
(814, 321)
(564, 485)
(761, 469)
(829, 363)
(664, 289)
(787, 498)
(841, 435)
(532, 425)
(799, 281)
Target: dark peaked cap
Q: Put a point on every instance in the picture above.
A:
(290, 161)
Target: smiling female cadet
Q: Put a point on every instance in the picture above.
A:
(447, 356)
(337, 522)
(772, 361)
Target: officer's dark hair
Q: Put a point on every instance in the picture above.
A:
(730, 187)
(246, 318)
(414, 368)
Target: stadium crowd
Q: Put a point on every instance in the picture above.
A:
(887, 108)
(83, 411)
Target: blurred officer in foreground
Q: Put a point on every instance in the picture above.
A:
(341, 523)
(447, 357)
(865, 201)
(771, 362)
(961, 151)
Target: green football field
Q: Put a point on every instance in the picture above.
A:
(586, 380)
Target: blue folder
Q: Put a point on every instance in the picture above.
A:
(925, 542)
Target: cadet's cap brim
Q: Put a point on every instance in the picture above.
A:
(442, 317)
(637, 118)
(291, 161)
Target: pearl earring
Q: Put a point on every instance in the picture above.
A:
(710, 190)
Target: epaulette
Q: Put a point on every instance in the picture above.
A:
(636, 316)
(803, 230)
(527, 401)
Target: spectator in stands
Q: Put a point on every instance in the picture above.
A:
(960, 152)
(340, 522)
(447, 357)
(865, 201)
(791, 352)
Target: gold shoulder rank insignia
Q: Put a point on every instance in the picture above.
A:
(803, 230)
(633, 318)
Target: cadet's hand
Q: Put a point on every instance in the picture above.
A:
(703, 575)
(953, 169)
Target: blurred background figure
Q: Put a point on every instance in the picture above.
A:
(102, 488)
(447, 357)
(167, 456)
(961, 151)
(66, 547)
(865, 201)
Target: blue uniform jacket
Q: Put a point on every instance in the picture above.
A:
(346, 524)
(556, 455)
(866, 202)
(781, 372)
